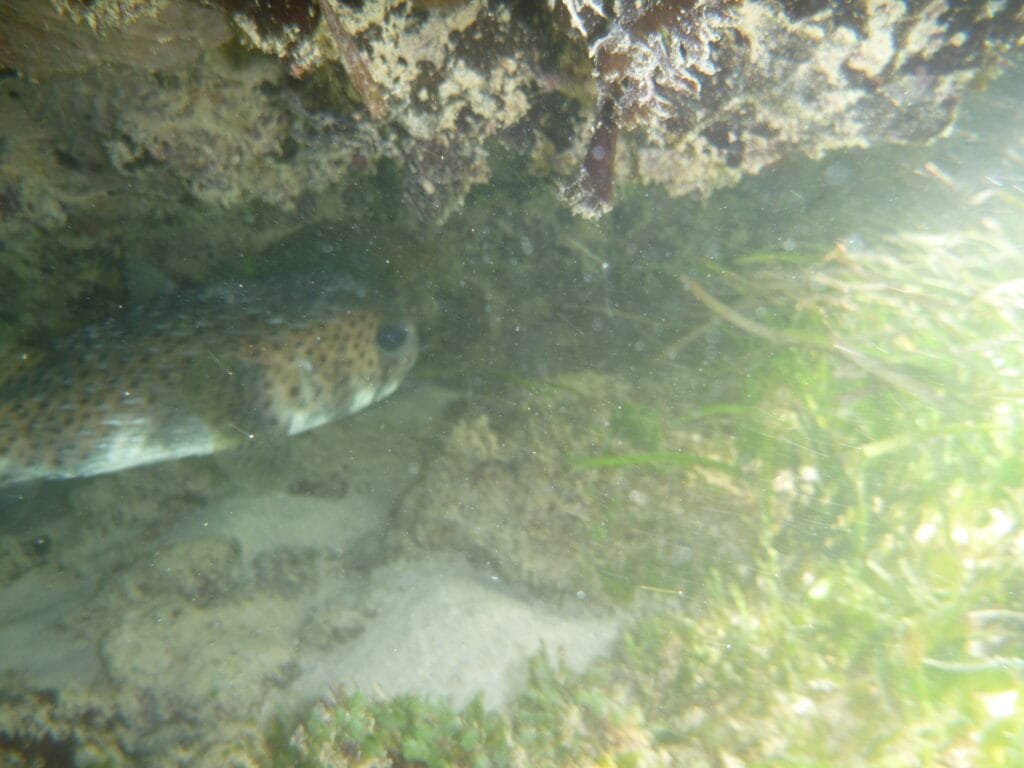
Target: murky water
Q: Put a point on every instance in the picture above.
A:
(722, 482)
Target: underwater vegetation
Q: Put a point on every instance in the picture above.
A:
(568, 497)
(877, 436)
(801, 485)
(796, 471)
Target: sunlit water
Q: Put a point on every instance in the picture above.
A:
(733, 482)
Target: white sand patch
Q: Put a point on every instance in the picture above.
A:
(187, 616)
(445, 630)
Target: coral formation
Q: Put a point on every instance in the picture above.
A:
(435, 83)
(278, 27)
(703, 92)
(473, 77)
(41, 728)
(237, 148)
(714, 90)
(651, 60)
(574, 490)
(103, 16)
(45, 39)
(220, 133)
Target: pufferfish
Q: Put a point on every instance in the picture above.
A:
(205, 372)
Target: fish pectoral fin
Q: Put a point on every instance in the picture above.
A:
(228, 394)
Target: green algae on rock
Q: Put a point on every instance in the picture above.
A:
(541, 517)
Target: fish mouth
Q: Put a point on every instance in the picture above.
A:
(386, 390)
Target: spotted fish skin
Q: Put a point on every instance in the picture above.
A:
(201, 373)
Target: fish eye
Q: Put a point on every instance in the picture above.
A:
(391, 337)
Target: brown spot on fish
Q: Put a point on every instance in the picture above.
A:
(171, 380)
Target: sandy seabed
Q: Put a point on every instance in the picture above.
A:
(165, 615)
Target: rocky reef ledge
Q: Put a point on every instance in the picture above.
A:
(128, 122)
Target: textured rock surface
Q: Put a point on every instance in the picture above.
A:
(715, 90)
(200, 571)
(515, 490)
(191, 158)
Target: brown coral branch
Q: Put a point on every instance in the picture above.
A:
(354, 62)
(651, 58)
(593, 192)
